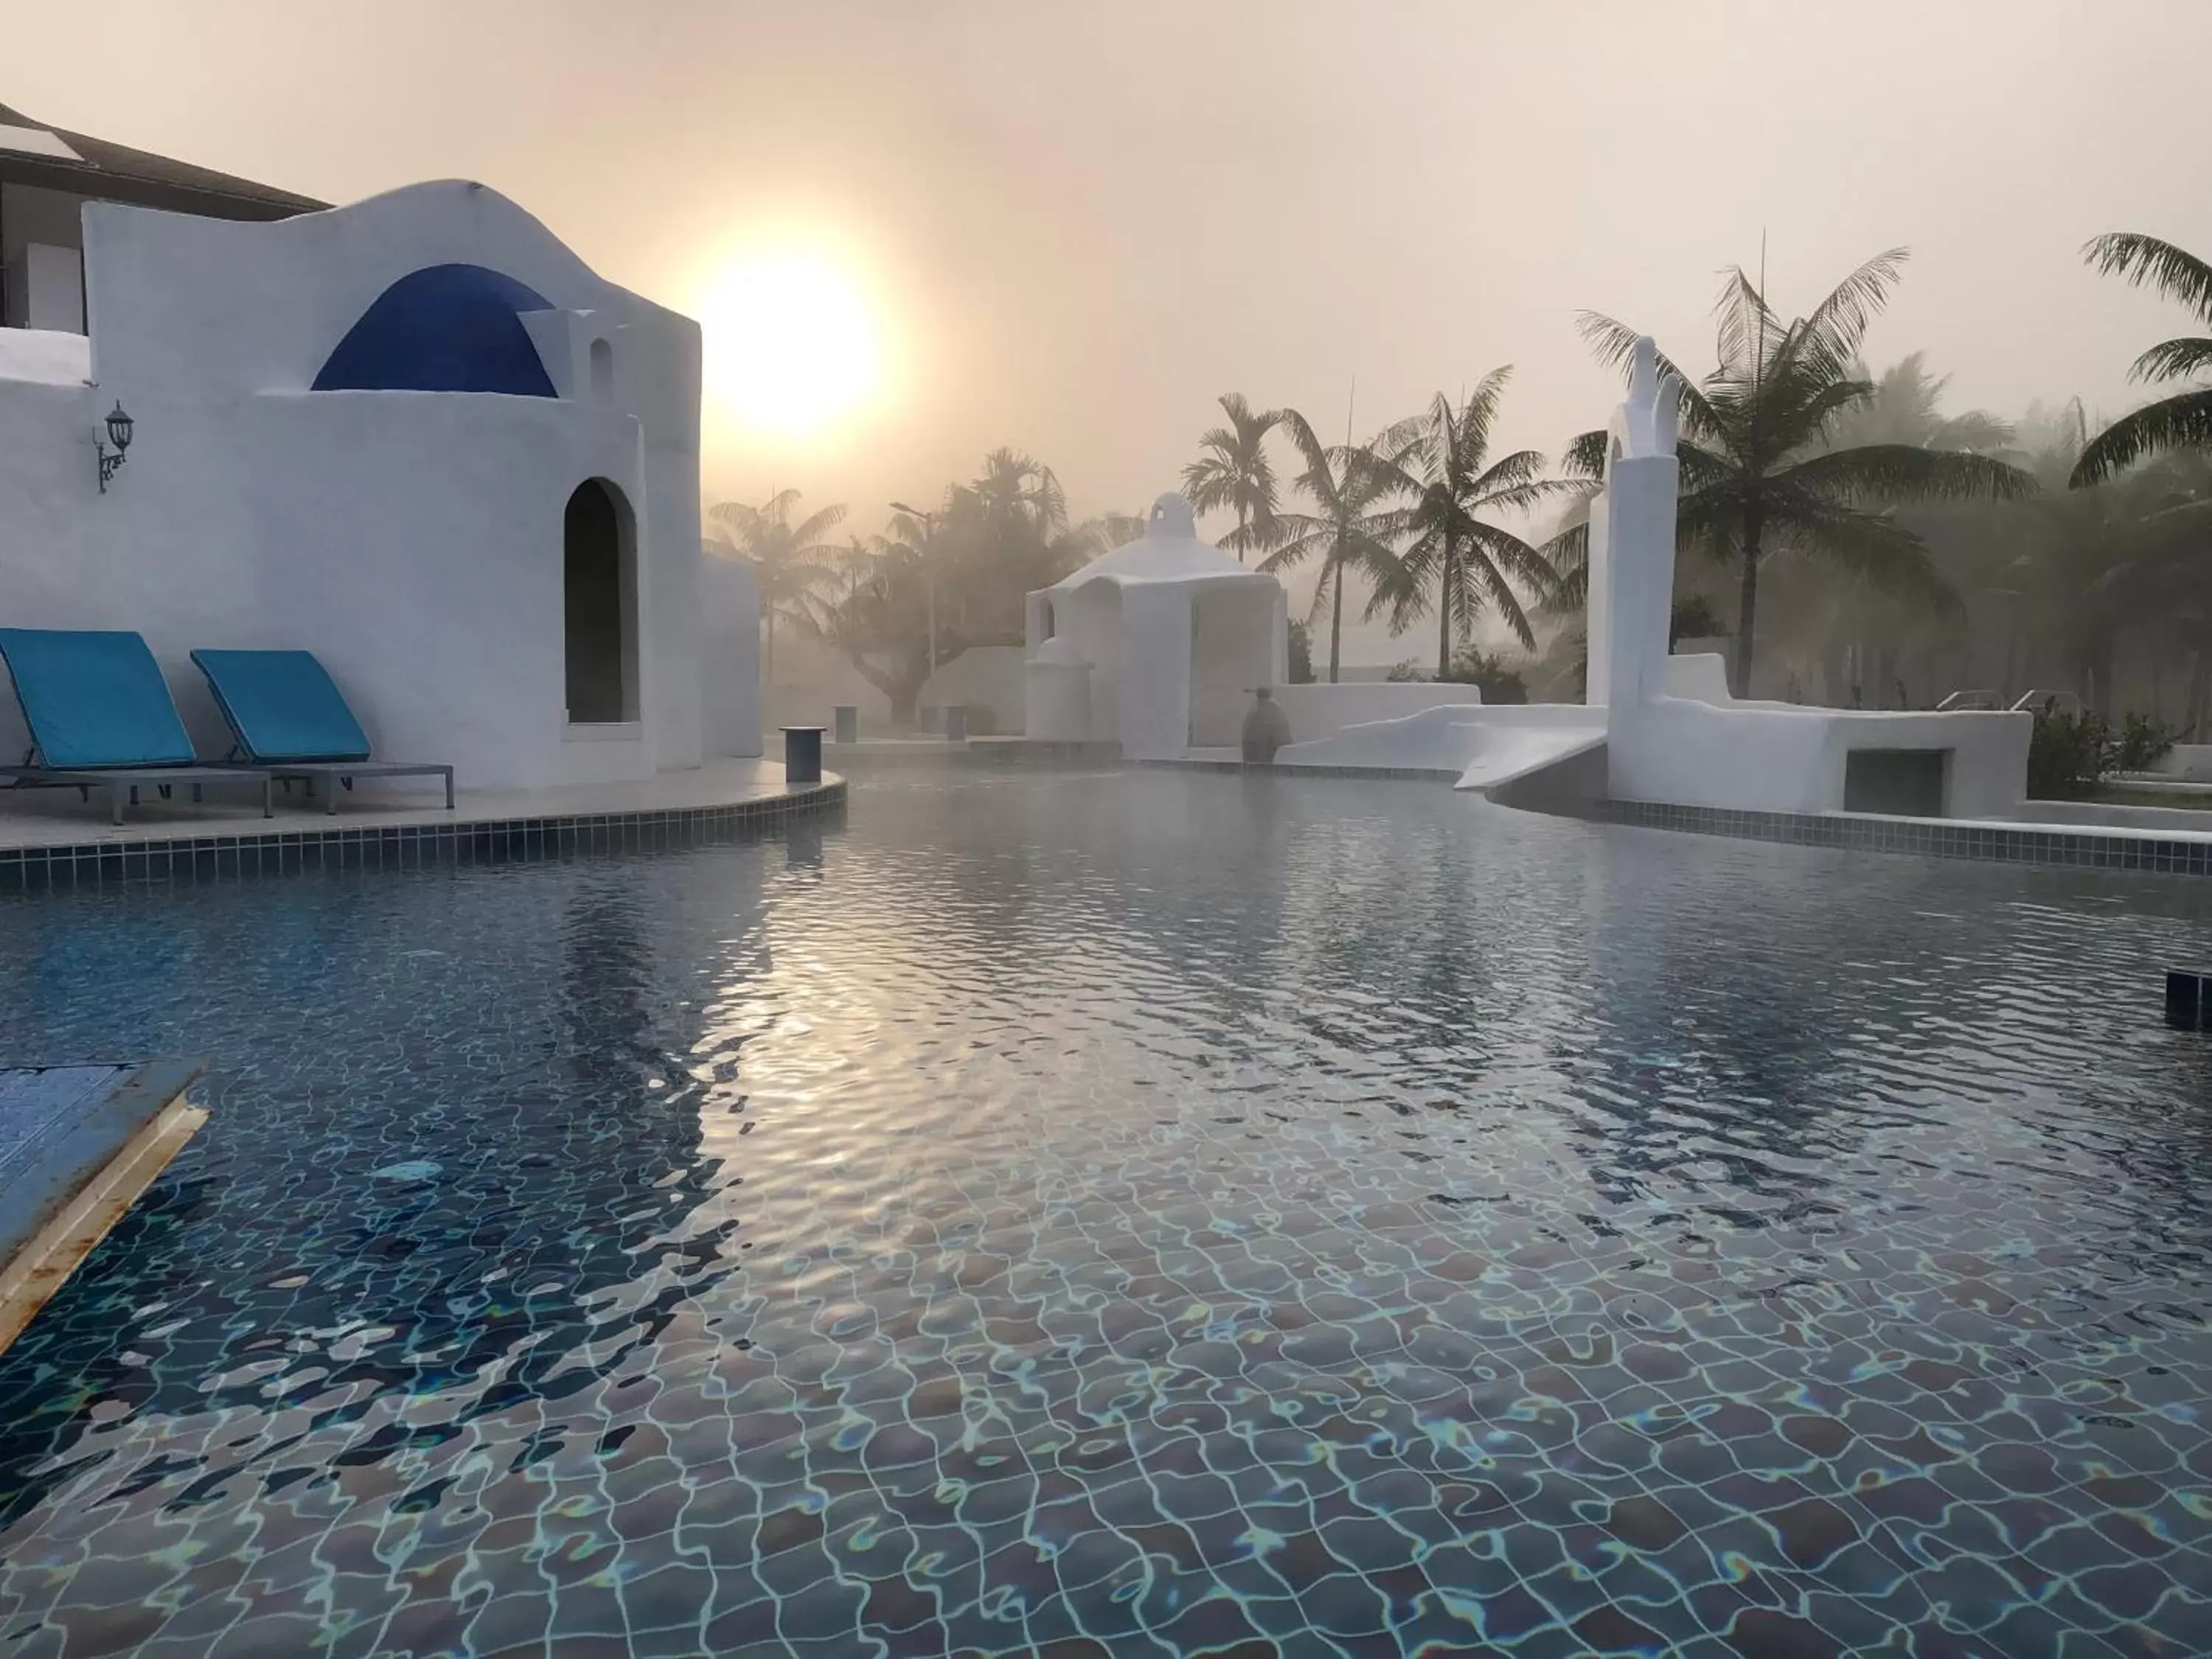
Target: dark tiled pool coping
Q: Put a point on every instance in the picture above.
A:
(215, 857)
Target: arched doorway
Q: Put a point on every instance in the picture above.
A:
(598, 582)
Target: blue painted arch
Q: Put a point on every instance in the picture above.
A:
(443, 328)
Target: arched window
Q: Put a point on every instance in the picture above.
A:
(598, 573)
(603, 371)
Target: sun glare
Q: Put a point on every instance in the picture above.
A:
(790, 342)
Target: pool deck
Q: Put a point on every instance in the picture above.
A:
(78, 1145)
(52, 837)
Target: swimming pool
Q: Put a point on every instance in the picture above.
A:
(1139, 1212)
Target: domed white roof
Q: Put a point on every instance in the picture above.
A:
(1169, 551)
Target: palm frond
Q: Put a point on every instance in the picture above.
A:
(810, 533)
(1829, 336)
(1746, 331)
(1568, 553)
(1584, 456)
(1470, 433)
(1319, 479)
(1871, 546)
(2177, 422)
(1522, 466)
(1904, 472)
(1516, 558)
(2146, 261)
(2173, 359)
(1614, 343)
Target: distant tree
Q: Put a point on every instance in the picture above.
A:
(1107, 531)
(880, 626)
(1352, 531)
(796, 564)
(989, 543)
(1299, 665)
(2128, 559)
(1694, 617)
(857, 559)
(1759, 474)
(1458, 560)
(1234, 472)
(1499, 681)
(1016, 486)
(1906, 407)
(2184, 420)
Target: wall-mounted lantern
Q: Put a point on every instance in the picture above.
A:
(118, 433)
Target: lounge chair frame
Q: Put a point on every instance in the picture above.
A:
(120, 781)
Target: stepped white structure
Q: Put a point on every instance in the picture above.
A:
(1665, 728)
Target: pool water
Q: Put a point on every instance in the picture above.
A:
(1134, 1212)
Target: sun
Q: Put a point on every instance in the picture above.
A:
(791, 343)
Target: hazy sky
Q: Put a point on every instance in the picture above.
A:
(1079, 224)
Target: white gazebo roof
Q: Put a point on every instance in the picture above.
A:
(1169, 551)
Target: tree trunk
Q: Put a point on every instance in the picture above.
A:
(1746, 609)
(1240, 532)
(1445, 613)
(1336, 622)
(2200, 690)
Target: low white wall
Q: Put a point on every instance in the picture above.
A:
(1316, 711)
(729, 655)
(44, 356)
(2186, 760)
(1444, 736)
(984, 676)
(1782, 758)
(1700, 677)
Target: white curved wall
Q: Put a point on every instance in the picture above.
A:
(412, 540)
(1317, 710)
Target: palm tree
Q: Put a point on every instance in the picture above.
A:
(1235, 473)
(1014, 485)
(1351, 532)
(2184, 419)
(795, 563)
(1760, 471)
(1466, 560)
(1907, 408)
(856, 561)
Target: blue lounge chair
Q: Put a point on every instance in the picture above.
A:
(100, 716)
(290, 720)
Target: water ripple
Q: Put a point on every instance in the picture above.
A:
(1133, 1213)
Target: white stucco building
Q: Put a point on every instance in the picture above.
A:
(415, 435)
(1156, 645)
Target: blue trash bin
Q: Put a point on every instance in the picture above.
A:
(802, 754)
